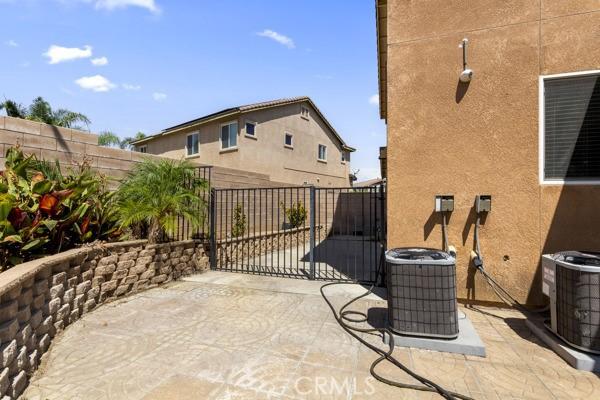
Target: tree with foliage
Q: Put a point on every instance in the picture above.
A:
(239, 221)
(41, 111)
(154, 193)
(109, 139)
(44, 210)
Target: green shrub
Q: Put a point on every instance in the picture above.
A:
(239, 221)
(296, 214)
(43, 211)
(156, 193)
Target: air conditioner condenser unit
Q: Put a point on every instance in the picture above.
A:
(571, 279)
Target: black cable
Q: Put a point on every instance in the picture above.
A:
(344, 316)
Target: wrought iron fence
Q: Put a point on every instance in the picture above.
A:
(185, 230)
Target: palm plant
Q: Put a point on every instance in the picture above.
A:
(41, 111)
(157, 192)
(108, 139)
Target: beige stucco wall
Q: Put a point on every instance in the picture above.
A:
(446, 138)
(266, 153)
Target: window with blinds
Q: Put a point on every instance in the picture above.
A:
(572, 128)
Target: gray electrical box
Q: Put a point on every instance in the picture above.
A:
(444, 203)
(483, 203)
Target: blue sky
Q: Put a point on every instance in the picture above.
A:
(133, 65)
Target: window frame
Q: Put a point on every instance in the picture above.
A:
(229, 148)
(145, 147)
(291, 135)
(319, 153)
(542, 130)
(246, 134)
(307, 116)
(197, 133)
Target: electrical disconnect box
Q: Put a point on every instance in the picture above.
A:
(444, 203)
(483, 203)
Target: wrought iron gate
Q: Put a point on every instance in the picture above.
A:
(302, 232)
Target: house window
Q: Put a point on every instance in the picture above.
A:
(570, 127)
(250, 128)
(193, 144)
(322, 156)
(143, 149)
(304, 113)
(229, 133)
(345, 156)
(289, 140)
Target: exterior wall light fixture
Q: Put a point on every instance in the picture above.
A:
(467, 74)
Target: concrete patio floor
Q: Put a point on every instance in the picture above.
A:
(234, 336)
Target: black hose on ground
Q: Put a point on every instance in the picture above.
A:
(351, 316)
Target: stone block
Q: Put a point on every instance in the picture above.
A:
(61, 267)
(36, 319)
(119, 274)
(44, 326)
(108, 286)
(93, 292)
(32, 342)
(125, 264)
(105, 269)
(38, 301)
(25, 298)
(20, 362)
(33, 361)
(83, 287)
(129, 256)
(43, 343)
(4, 381)
(8, 310)
(23, 334)
(59, 326)
(17, 384)
(74, 315)
(147, 274)
(159, 278)
(24, 314)
(129, 279)
(138, 269)
(52, 306)
(87, 275)
(147, 253)
(12, 294)
(57, 291)
(121, 290)
(72, 282)
(112, 259)
(40, 287)
(97, 281)
(58, 278)
(78, 301)
(69, 296)
(143, 260)
(63, 312)
(89, 305)
(8, 330)
(8, 352)
(165, 269)
(44, 273)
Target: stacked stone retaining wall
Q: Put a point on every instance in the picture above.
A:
(38, 299)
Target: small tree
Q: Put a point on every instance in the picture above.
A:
(296, 214)
(41, 111)
(239, 221)
(157, 193)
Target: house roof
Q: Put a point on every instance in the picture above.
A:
(382, 37)
(242, 109)
(368, 183)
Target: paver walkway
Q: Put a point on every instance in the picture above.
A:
(234, 336)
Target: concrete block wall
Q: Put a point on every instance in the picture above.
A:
(38, 299)
(72, 147)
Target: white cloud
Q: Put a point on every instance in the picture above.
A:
(58, 54)
(278, 37)
(12, 43)
(150, 5)
(374, 100)
(100, 61)
(159, 96)
(96, 83)
(128, 86)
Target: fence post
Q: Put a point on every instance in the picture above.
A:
(312, 232)
(213, 236)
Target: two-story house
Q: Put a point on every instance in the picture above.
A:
(289, 139)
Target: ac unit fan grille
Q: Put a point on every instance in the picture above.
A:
(578, 307)
(423, 299)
